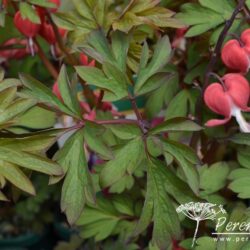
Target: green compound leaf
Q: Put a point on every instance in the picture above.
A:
(159, 208)
(14, 175)
(160, 58)
(16, 108)
(182, 155)
(68, 92)
(43, 94)
(30, 161)
(125, 161)
(176, 125)
(204, 16)
(77, 187)
(27, 11)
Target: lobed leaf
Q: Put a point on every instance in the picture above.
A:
(42, 93)
(125, 162)
(176, 125)
(14, 175)
(30, 161)
(77, 187)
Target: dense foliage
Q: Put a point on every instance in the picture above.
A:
(133, 93)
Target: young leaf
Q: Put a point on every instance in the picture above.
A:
(144, 56)
(155, 82)
(84, 9)
(99, 42)
(14, 175)
(203, 18)
(112, 79)
(65, 20)
(95, 76)
(178, 106)
(68, 94)
(77, 187)
(160, 58)
(115, 75)
(42, 93)
(30, 13)
(162, 96)
(120, 46)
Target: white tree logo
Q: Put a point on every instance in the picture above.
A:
(200, 211)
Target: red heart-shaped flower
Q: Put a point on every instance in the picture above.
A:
(25, 26)
(218, 101)
(238, 89)
(235, 57)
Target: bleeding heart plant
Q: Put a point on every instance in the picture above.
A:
(116, 121)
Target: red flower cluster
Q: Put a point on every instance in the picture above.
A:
(44, 28)
(11, 53)
(231, 95)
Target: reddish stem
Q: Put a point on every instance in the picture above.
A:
(50, 67)
(118, 121)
